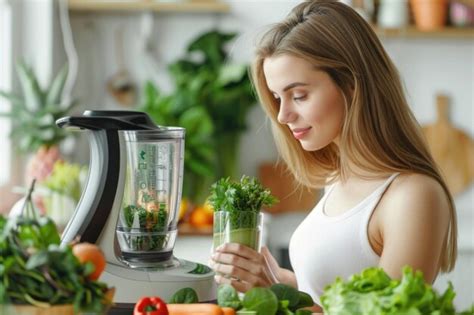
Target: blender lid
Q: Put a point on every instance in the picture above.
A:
(109, 120)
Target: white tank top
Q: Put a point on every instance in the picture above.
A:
(325, 247)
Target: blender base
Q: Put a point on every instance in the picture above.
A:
(133, 284)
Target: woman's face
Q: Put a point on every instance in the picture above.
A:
(311, 104)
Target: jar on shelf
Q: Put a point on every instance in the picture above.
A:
(429, 14)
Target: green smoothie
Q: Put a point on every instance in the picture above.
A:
(246, 236)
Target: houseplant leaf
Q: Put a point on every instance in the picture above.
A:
(33, 96)
(56, 88)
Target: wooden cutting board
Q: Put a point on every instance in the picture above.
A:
(452, 149)
(283, 186)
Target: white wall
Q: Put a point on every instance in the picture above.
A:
(427, 67)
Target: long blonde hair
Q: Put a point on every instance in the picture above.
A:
(380, 133)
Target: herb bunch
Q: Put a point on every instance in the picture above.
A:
(246, 195)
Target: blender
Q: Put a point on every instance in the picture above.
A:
(130, 204)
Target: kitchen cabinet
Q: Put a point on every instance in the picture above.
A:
(147, 5)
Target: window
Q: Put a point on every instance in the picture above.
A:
(5, 85)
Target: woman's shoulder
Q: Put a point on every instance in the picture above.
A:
(413, 193)
(417, 186)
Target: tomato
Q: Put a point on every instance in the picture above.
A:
(87, 252)
(150, 306)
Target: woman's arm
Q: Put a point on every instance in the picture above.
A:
(414, 221)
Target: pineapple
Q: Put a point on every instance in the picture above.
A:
(33, 115)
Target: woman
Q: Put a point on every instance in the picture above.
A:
(340, 120)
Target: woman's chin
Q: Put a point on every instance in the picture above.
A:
(312, 146)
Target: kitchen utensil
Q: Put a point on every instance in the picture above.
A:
(452, 149)
(130, 205)
(121, 85)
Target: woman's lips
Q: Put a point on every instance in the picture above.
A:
(299, 133)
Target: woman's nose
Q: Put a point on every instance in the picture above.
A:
(285, 115)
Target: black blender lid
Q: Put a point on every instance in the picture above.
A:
(109, 120)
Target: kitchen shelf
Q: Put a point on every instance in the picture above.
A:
(413, 32)
(147, 5)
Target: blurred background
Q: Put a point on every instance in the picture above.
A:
(184, 62)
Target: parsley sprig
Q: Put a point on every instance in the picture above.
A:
(246, 195)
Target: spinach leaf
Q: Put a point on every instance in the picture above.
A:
(227, 296)
(184, 296)
(261, 300)
(285, 292)
(36, 270)
(305, 300)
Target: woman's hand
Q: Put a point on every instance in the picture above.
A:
(244, 268)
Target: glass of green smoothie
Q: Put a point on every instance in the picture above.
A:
(243, 227)
(237, 211)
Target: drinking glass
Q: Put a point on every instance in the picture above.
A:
(243, 227)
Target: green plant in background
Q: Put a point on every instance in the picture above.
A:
(168, 110)
(34, 112)
(211, 100)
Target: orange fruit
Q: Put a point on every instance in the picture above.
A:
(201, 217)
(183, 208)
(87, 252)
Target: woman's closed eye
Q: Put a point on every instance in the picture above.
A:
(298, 98)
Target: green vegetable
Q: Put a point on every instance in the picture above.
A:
(373, 292)
(238, 205)
(305, 300)
(227, 296)
(279, 299)
(184, 296)
(246, 195)
(261, 300)
(148, 221)
(284, 292)
(35, 269)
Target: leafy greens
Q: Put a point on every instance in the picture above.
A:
(246, 195)
(279, 299)
(374, 292)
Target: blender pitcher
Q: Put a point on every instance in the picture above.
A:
(147, 225)
(133, 191)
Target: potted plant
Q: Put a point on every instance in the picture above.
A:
(33, 115)
(211, 100)
(172, 110)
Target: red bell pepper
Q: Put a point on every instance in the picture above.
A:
(150, 306)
